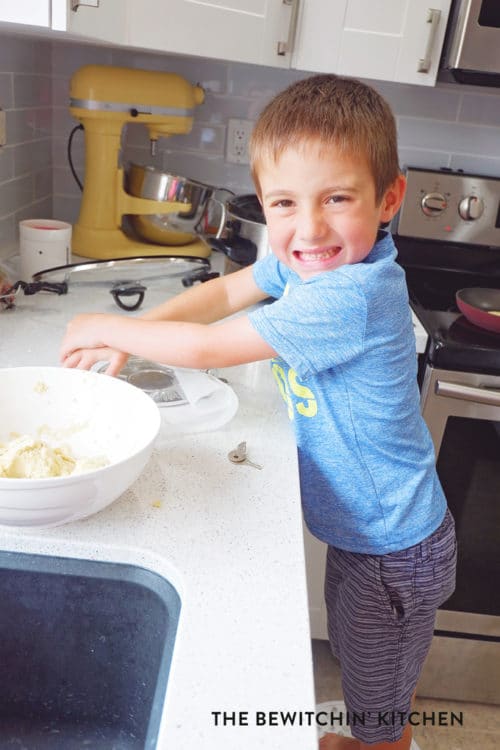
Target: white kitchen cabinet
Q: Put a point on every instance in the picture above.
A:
(30, 12)
(391, 40)
(102, 20)
(240, 30)
(252, 31)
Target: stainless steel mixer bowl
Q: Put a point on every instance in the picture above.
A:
(179, 228)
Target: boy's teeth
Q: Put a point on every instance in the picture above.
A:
(318, 256)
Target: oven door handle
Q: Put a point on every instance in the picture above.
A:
(487, 396)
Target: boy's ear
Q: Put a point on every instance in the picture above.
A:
(393, 198)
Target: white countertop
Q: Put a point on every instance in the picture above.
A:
(228, 537)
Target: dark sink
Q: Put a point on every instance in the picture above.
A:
(85, 653)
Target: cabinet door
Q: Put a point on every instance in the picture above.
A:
(319, 35)
(32, 12)
(240, 30)
(392, 40)
(103, 20)
(422, 41)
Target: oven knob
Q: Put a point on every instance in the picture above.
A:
(434, 204)
(471, 207)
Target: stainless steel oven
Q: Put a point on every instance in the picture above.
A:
(448, 237)
(472, 44)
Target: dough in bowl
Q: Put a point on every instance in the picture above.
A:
(26, 457)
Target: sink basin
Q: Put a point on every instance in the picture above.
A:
(85, 653)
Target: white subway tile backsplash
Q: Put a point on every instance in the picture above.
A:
(219, 109)
(204, 138)
(259, 82)
(69, 56)
(28, 124)
(43, 184)
(63, 182)
(481, 110)
(60, 90)
(440, 103)
(213, 170)
(8, 235)
(15, 194)
(142, 155)
(32, 91)
(423, 157)
(32, 156)
(136, 135)
(6, 163)
(65, 208)
(19, 54)
(449, 125)
(6, 95)
(38, 209)
(43, 122)
(454, 138)
(60, 151)
(210, 74)
(63, 121)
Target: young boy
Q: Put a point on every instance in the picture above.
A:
(340, 339)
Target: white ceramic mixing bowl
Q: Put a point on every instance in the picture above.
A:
(93, 415)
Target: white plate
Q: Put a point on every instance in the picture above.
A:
(215, 405)
(211, 403)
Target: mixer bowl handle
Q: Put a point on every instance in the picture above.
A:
(221, 196)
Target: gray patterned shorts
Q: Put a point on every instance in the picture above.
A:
(381, 612)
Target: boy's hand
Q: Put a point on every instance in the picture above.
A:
(85, 359)
(82, 333)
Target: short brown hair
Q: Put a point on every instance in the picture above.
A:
(339, 111)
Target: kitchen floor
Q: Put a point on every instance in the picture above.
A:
(481, 723)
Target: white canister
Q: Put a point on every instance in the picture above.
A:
(43, 243)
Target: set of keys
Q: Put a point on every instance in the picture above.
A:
(239, 456)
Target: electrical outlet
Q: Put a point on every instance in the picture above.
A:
(238, 136)
(3, 128)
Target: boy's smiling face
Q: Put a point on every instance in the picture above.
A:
(320, 207)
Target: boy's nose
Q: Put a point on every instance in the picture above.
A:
(311, 226)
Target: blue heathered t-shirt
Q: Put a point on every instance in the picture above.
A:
(347, 372)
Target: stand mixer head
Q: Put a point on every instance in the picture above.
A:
(104, 98)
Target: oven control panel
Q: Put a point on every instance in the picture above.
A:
(451, 206)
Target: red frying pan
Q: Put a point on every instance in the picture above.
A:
(480, 306)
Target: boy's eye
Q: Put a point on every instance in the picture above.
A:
(283, 203)
(337, 198)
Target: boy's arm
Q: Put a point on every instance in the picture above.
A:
(212, 300)
(181, 344)
(176, 332)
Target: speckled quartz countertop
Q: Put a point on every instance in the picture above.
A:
(228, 537)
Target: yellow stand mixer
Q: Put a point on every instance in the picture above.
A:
(105, 98)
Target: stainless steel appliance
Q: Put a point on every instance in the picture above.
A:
(448, 237)
(244, 239)
(472, 45)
